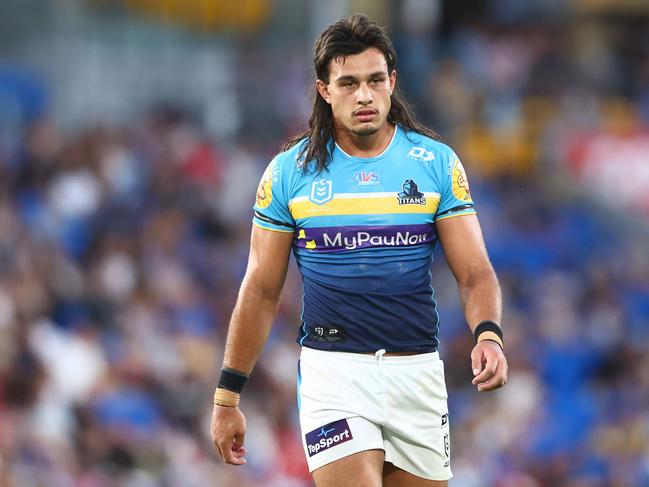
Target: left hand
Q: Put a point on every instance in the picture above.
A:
(489, 366)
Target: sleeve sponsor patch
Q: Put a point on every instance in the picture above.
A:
(265, 189)
(460, 182)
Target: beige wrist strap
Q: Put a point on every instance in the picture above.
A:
(490, 335)
(223, 397)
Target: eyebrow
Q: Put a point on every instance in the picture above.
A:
(349, 77)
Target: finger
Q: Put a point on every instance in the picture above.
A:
(504, 368)
(489, 370)
(217, 448)
(237, 448)
(499, 378)
(495, 382)
(215, 438)
(235, 451)
(236, 457)
(229, 456)
(476, 361)
(239, 439)
(224, 447)
(239, 453)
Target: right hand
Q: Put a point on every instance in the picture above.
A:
(228, 431)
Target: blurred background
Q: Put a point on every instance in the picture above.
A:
(132, 137)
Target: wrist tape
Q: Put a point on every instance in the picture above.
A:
(228, 390)
(488, 330)
(223, 397)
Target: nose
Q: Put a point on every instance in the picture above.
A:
(364, 94)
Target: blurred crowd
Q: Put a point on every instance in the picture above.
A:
(122, 247)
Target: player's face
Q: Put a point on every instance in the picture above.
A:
(359, 91)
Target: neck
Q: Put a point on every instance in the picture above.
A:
(365, 145)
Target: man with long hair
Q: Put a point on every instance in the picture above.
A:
(362, 197)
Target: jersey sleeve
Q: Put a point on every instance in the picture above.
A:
(271, 203)
(455, 196)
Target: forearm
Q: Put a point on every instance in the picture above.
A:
(250, 325)
(481, 298)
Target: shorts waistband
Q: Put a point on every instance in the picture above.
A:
(363, 358)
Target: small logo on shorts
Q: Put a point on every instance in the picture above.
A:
(447, 450)
(447, 440)
(328, 436)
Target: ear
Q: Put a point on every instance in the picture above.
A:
(323, 90)
(393, 80)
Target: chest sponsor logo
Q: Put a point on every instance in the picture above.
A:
(366, 239)
(411, 194)
(421, 154)
(321, 191)
(366, 178)
(328, 436)
(335, 239)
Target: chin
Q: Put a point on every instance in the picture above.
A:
(365, 130)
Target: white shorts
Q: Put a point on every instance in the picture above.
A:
(352, 402)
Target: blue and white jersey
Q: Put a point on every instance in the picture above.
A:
(364, 235)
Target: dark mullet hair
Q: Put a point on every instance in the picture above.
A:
(343, 38)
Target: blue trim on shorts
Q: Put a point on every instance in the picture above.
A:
(299, 383)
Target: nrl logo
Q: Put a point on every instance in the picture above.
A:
(321, 191)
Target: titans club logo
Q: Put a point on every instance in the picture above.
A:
(411, 194)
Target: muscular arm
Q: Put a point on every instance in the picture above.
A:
(465, 251)
(258, 298)
(251, 321)
(467, 258)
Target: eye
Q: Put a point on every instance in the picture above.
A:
(376, 81)
(349, 84)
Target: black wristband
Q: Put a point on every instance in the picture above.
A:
(232, 380)
(487, 326)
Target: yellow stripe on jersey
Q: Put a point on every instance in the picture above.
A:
(361, 206)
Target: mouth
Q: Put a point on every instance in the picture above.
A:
(365, 114)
